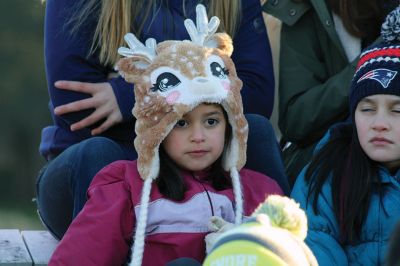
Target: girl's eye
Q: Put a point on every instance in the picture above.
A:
(165, 81)
(212, 122)
(219, 71)
(397, 111)
(364, 110)
(181, 123)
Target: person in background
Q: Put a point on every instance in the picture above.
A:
(319, 48)
(91, 106)
(191, 144)
(351, 188)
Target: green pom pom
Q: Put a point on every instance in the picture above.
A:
(285, 213)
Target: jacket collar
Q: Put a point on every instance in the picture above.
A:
(289, 12)
(326, 19)
(386, 177)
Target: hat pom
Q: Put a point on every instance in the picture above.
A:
(390, 30)
(285, 213)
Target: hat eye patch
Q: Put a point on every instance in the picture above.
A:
(165, 81)
(218, 71)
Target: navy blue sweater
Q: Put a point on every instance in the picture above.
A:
(66, 58)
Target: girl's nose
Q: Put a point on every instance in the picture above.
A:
(197, 134)
(380, 122)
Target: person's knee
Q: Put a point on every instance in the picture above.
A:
(260, 130)
(83, 160)
(258, 124)
(99, 149)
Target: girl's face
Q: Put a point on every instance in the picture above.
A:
(377, 119)
(198, 139)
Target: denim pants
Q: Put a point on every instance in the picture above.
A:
(63, 182)
(263, 151)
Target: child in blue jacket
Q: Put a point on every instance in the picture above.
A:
(351, 188)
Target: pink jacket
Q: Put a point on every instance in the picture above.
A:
(102, 233)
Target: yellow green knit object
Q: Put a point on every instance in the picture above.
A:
(285, 213)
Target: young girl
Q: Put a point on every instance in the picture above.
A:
(191, 141)
(351, 188)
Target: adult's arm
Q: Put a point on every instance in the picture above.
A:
(101, 233)
(313, 94)
(67, 58)
(253, 60)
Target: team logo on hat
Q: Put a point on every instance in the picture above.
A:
(382, 75)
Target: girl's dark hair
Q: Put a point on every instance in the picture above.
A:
(353, 180)
(170, 180)
(363, 18)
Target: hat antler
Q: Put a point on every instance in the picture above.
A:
(202, 32)
(136, 48)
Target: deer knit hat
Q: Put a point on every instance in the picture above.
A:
(378, 69)
(171, 79)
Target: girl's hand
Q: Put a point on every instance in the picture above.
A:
(217, 225)
(103, 101)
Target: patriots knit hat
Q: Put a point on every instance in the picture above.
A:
(172, 78)
(377, 71)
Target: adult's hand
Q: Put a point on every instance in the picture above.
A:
(103, 101)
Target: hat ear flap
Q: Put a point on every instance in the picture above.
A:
(138, 57)
(221, 41)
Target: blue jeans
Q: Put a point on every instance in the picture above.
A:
(63, 182)
(263, 151)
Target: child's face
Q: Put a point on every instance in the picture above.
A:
(197, 140)
(377, 119)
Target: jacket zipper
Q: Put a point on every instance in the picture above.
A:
(208, 195)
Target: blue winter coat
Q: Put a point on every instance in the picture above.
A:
(323, 234)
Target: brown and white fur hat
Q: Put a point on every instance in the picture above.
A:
(171, 79)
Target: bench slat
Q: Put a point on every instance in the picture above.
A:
(41, 245)
(13, 251)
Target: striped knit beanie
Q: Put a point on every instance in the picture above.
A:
(378, 69)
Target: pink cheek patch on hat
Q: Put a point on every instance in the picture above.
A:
(226, 85)
(172, 97)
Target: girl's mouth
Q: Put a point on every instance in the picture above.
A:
(380, 141)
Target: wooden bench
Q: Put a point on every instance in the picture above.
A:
(20, 248)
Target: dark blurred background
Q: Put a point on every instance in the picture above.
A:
(23, 110)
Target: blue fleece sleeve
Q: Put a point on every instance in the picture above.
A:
(67, 58)
(253, 60)
(323, 229)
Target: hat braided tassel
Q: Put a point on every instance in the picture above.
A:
(237, 191)
(138, 244)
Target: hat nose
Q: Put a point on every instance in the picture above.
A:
(201, 85)
(201, 80)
